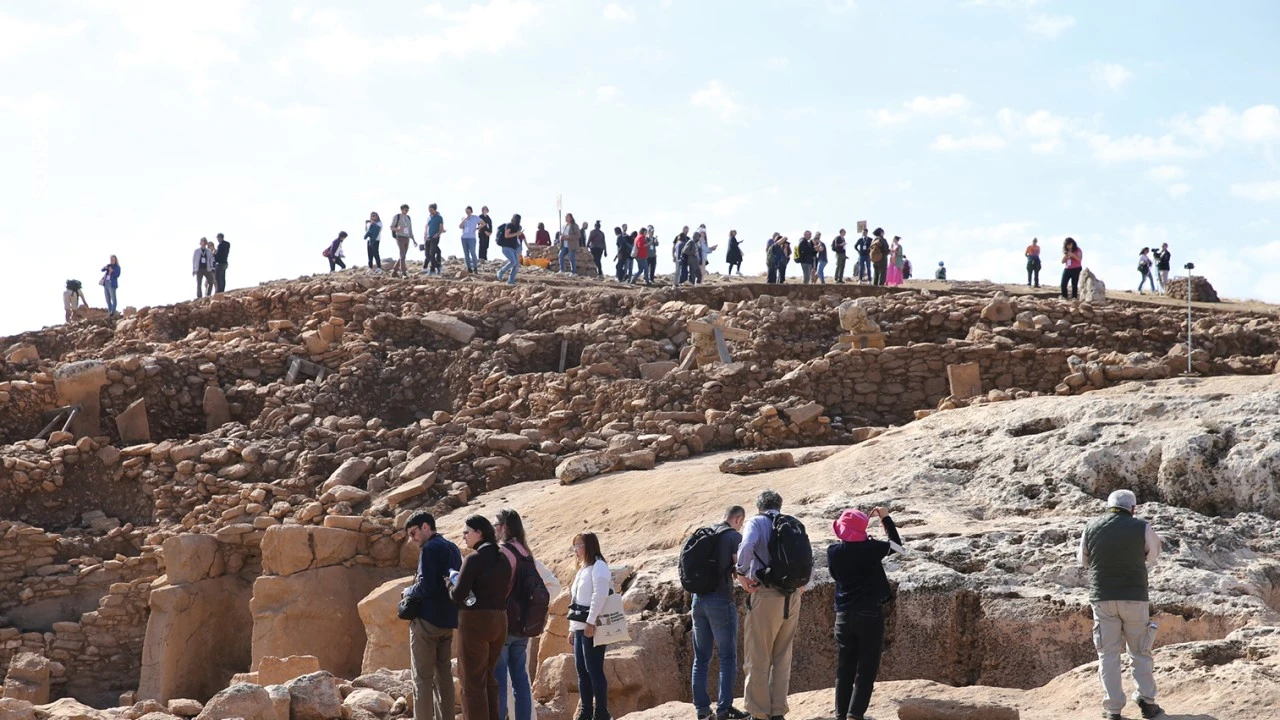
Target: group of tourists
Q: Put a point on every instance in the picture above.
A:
(1073, 263)
(879, 261)
(496, 599)
(73, 300)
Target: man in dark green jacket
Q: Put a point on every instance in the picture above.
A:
(1117, 548)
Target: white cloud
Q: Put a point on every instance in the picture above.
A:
(923, 107)
(714, 96)
(1042, 128)
(609, 95)
(1139, 147)
(17, 36)
(1110, 75)
(1220, 125)
(733, 204)
(1268, 191)
(1166, 174)
(192, 37)
(839, 7)
(616, 13)
(947, 143)
(1178, 190)
(778, 62)
(502, 23)
(1050, 26)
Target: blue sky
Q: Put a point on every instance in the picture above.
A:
(135, 127)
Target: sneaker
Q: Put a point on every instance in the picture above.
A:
(1111, 715)
(732, 713)
(705, 715)
(1149, 709)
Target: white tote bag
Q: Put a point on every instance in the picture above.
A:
(611, 625)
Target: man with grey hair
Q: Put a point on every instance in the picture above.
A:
(773, 612)
(1117, 548)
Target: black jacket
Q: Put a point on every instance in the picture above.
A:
(220, 255)
(806, 252)
(859, 573)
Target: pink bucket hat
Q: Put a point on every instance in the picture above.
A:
(851, 526)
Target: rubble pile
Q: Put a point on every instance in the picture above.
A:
(237, 470)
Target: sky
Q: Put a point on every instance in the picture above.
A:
(135, 127)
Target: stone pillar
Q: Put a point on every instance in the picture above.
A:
(79, 383)
(28, 678)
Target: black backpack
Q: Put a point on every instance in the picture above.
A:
(790, 556)
(700, 571)
(528, 601)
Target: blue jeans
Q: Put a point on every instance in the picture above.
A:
(111, 298)
(593, 686)
(469, 254)
(864, 267)
(515, 661)
(513, 263)
(715, 623)
(573, 259)
(821, 270)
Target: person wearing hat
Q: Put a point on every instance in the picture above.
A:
(1117, 548)
(941, 272)
(861, 591)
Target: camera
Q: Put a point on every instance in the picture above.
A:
(1189, 266)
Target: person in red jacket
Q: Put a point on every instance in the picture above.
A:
(641, 253)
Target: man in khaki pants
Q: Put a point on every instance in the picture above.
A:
(772, 618)
(1117, 548)
(431, 631)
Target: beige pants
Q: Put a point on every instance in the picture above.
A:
(1116, 624)
(430, 656)
(766, 645)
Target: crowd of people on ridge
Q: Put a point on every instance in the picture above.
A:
(496, 599)
(877, 259)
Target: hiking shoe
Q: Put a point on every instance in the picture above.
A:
(732, 713)
(1111, 715)
(1149, 709)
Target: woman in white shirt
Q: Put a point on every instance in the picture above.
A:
(591, 586)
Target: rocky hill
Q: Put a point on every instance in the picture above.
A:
(216, 490)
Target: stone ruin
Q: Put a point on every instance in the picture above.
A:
(1201, 289)
(240, 468)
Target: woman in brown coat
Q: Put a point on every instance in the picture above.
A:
(480, 593)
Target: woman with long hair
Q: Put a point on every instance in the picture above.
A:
(734, 256)
(591, 585)
(513, 663)
(110, 278)
(1072, 262)
(893, 274)
(480, 592)
(1144, 270)
(372, 229)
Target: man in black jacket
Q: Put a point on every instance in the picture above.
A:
(220, 264)
(806, 255)
(863, 246)
(431, 631)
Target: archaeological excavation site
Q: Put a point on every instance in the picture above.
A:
(203, 506)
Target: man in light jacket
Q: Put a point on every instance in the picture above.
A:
(1117, 548)
(202, 268)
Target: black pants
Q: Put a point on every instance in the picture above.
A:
(432, 261)
(484, 247)
(859, 640)
(1033, 275)
(782, 271)
(375, 258)
(1071, 275)
(593, 684)
(220, 278)
(651, 267)
(336, 262)
(624, 268)
(880, 268)
(596, 254)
